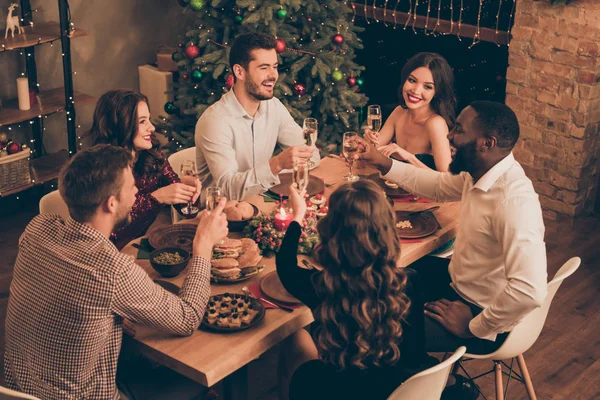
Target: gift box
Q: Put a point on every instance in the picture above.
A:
(164, 60)
(158, 87)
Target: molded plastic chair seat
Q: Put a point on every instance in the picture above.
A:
(6, 393)
(524, 335)
(176, 159)
(53, 203)
(428, 384)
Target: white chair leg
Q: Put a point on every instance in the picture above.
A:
(499, 384)
(526, 377)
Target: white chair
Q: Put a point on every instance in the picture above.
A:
(522, 337)
(176, 159)
(428, 384)
(54, 203)
(6, 393)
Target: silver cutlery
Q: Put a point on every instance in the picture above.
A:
(284, 308)
(430, 209)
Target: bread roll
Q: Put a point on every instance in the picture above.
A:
(233, 214)
(246, 209)
(231, 203)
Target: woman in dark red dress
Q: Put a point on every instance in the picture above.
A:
(122, 118)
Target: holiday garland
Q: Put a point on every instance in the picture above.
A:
(262, 230)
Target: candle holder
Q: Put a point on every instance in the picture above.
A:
(282, 219)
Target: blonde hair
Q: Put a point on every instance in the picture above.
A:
(364, 301)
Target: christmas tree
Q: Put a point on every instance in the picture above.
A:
(317, 75)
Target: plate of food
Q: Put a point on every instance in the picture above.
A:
(315, 185)
(390, 188)
(177, 235)
(239, 213)
(232, 312)
(415, 226)
(235, 260)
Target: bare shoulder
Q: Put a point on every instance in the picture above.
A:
(398, 113)
(436, 126)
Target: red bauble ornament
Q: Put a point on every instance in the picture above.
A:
(192, 51)
(309, 19)
(229, 81)
(280, 46)
(338, 39)
(352, 81)
(184, 76)
(299, 89)
(13, 148)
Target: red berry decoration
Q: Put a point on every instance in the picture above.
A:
(299, 89)
(192, 51)
(338, 39)
(280, 46)
(229, 81)
(352, 81)
(324, 209)
(309, 203)
(318, 196)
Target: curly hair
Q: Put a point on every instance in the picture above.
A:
(444, 100)
(116, 122)
(363, 291)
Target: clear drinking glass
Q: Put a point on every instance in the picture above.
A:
(349, 149)
(374, 120)
(310, 130)
(300, 174)
(188, 168)
(213, 196)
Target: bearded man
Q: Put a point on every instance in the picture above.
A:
(498, 272)
(237, 136)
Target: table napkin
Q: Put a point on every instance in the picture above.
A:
(145, 249)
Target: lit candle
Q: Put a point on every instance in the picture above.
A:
(282, 220)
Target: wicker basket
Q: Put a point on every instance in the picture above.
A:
(14, 171)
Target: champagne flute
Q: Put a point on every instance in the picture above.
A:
(374, 121)
(188, 168)
(349, 149)
(310, 129)
(213, 196)
(300, 174)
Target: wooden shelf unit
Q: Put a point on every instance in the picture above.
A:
(39, 33)
(43, 169)
(51, 101)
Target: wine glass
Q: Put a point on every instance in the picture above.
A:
(300, 174)
(213, 196)
(349, 149)
(188, 168)
(374, 120)
(310, 129)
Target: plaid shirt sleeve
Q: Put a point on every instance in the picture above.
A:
(139, 299)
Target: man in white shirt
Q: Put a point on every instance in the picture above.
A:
(497, 274)
(236, 136)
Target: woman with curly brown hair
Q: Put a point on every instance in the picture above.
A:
(122, 118)
(369, 320)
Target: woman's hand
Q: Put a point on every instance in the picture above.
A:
(175, 193)
(298, 204)
(193, 181)
(371, 136)
(393, 148)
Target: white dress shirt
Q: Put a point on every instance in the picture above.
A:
(233, 149)
(499, 260)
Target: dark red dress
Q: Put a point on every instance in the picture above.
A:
(146, 207)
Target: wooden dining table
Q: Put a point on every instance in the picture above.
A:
(208, 357)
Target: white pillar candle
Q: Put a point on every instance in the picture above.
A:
(23, 93)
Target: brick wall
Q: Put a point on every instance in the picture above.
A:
(553, 85)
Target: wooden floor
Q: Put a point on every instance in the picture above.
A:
(564, 363)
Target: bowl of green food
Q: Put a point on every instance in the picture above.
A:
(170, 261)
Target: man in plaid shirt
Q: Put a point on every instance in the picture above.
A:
(72, 288)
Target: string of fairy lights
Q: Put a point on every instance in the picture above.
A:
(371, 8)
